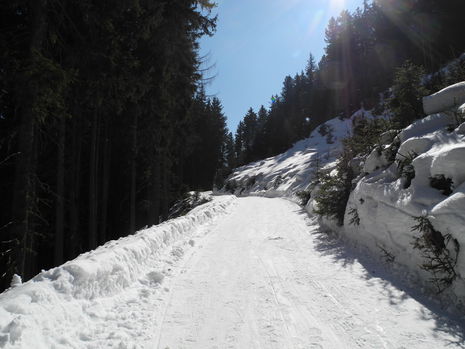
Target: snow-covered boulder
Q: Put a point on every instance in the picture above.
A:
(375, 161)
(426, 125)
(448, 98)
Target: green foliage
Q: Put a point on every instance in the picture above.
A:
(366, 135)
(435, 249)
(231, 186)
(334, 190)
(250, 182)
(387, 256)
(303, 196)
(407, 93)
(278, 180)
(406, 169)
(355, 218)
(184, 205)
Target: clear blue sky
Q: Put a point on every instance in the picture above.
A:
(258, 43)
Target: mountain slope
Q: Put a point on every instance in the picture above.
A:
(291, 172)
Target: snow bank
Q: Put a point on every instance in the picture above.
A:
(386, 209)
(74, 289)
(448, 98)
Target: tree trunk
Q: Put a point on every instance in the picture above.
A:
(75, 187)
(24, 193)
(93, 172)
(165, 186)
(105, 182)
(60, 209)
(132, 219)
(154, 213)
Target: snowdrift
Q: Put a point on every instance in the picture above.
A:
(66, 292)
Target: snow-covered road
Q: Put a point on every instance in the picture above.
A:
(234, 273)
(264, 277)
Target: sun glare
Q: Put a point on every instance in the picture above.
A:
(336, 6)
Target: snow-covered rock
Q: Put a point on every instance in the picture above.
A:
(448, 98)
(386, 209)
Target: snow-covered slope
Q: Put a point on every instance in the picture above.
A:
(66, 307)
(432, 149)
(291, 172)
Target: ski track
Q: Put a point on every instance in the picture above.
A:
(266, 278)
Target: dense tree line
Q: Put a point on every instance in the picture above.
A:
(363, 50)
(102, 121)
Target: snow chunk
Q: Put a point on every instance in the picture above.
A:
(16, 281)
(375, 161)
(446, 99)
(451, 163)
(426, 125)
(414, 146)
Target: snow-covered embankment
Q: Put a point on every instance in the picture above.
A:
(387, 205)
(31, 314)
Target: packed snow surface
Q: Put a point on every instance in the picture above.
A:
(260, 275)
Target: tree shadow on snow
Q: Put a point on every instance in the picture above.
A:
(395, 287)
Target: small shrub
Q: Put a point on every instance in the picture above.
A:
(407, 92)
(304, 196)
(387, 256)
(406, 169)
(355, 219)
(441, 183)
(391, 151)
(231, 186)
(334, 191)
(277, 181)
(187, 203)
(323, 130)
(250, 182)
(439, 261)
